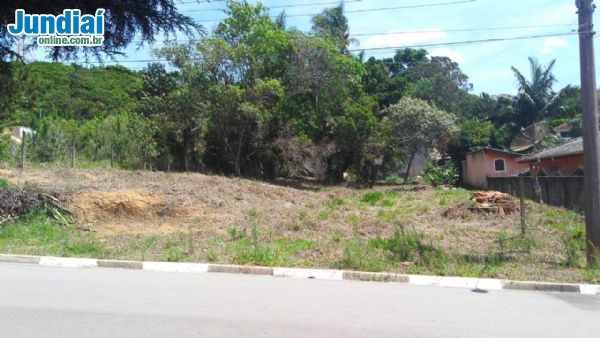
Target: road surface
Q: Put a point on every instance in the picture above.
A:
(38, 301)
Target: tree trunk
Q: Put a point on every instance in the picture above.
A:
(238, 154)
(112, 156)
(22, 155)
(412, 157)
(186, 150)
(73, 150)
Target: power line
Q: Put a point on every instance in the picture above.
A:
(386, 49)
(369, 9)
(419, 31)
(410, 6)
(276, 6)
(201, 2)
(468, 42)
(463, 30)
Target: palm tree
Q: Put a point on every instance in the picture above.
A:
(535, 95)
(281, 20)
(333, 24)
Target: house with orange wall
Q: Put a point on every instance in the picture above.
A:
(489, 162)
(565, 158)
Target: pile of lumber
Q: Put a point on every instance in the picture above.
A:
(493, 202)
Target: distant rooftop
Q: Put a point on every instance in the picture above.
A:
(574, 147)
(495, 150)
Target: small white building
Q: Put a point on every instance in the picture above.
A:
(17, 133)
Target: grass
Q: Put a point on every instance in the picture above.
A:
(372, 197)
(383, 229)
(4, 185)
(37, 233)
(333, 202)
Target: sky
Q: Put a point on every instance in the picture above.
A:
(488, 65)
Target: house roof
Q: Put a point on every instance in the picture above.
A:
(566, 127)
(570, 148)
(494, 150)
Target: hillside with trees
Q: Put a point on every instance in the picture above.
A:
(254, 98)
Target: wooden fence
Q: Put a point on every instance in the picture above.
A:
(560, 191)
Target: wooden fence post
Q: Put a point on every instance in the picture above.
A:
(522, 202)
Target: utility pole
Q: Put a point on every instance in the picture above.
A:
(591, 143)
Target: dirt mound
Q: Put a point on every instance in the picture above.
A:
(128, 204)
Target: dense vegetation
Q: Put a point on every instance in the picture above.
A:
(254, 98)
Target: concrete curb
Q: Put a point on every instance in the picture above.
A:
(175, 267)
(537, 286)
(323, 274)
(239, 269)
(376, 277)
(103, 263)
(20, 259)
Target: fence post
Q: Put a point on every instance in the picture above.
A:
(522, 202)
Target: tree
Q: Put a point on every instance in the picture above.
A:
(125, 21)
(472, 134)
(439, 81)
(414, 124)
(127, 139)
(383, 82)
(332, 24)
(177, 102)
(535, 95)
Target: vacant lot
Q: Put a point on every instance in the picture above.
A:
(194, 217)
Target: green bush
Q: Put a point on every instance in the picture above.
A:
(394, 180)
(5, 145)
(446, 176)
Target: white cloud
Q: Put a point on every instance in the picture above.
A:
(453, 55)
(403, 38)
(551, 43)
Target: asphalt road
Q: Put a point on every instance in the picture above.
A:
(37, 301)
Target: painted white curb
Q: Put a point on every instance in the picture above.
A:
(175, 267)
(457, 282)
(586, 289)
(69, 262)
(454, 282)
(309, 273)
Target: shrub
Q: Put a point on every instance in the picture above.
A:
(394, 180)
(446, 176)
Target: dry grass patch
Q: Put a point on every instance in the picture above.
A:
(195, 217)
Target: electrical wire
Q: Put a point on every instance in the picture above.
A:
(448, 3)
(459, 43)
(274, 7)
(385, 49)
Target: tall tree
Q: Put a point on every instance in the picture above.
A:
(332, 24)
(125, 20)
(535, 94)
(415, 124)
